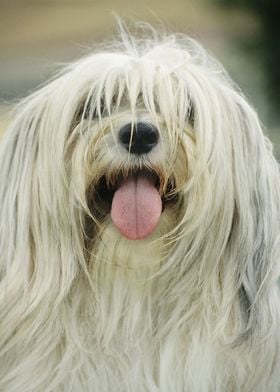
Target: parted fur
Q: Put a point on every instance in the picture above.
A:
(195, 306)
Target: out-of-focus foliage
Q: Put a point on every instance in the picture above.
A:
(268, 11)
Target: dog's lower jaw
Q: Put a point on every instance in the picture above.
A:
(136, 255)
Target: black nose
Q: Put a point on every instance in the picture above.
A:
(140, 138)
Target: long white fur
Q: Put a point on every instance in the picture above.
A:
(194, 307)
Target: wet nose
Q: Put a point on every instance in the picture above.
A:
(139, 138)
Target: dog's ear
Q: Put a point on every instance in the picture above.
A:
(35, 217)
(18, 153)
(254, 243)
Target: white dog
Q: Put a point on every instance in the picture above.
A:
(139, 230)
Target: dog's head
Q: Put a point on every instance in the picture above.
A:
(127, 135)
(147, 140)
(130, 138)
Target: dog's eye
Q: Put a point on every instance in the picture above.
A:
(87, 111)
(191, 114)
(99, 110)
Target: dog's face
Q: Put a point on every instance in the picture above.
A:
(132, 143)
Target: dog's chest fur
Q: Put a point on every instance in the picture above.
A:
(133, 333)
(137, 335)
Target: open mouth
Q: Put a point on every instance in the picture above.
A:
(135, 201)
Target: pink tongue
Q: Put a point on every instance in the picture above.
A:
(136, 208)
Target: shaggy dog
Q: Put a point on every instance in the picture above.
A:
(139, 229)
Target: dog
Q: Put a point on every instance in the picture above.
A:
(139, 228)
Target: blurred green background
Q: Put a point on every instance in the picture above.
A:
(36, 36)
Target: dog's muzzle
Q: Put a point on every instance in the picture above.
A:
(137, 205)
(135, 196)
